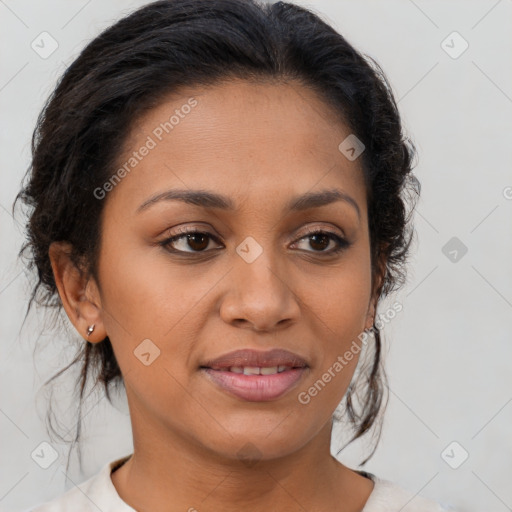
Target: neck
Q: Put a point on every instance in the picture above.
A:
(183, 476)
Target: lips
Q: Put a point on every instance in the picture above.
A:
(256, 376)
(255, 359)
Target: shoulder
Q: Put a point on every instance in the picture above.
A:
(96, 493)
(390, 497)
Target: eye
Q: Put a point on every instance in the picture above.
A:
(198, 241)
(320, 240)
(193, 241)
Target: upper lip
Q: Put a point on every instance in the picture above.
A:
(256, 359)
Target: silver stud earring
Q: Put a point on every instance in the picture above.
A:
(89, 330)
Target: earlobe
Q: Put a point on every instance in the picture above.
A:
(79, 296)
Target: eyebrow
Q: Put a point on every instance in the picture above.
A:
(206, 199)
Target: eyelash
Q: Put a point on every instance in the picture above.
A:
(342, 243)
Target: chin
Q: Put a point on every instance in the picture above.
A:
(251, 446)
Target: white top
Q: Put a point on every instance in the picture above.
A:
(99, 493)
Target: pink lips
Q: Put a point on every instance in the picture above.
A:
(256, 376)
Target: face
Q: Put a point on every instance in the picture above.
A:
(263, 265)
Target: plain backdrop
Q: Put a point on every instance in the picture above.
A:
(447, 430)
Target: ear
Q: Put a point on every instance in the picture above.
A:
(377, 282)
(79, 295)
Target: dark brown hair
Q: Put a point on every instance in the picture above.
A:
(170, 44)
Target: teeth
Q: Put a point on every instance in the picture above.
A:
(251, 370)
(254, 370)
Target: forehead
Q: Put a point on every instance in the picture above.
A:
(244, 138)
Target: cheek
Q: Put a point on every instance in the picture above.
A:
(147, 297)
(341, 296)
(142, 290)
(340, 310)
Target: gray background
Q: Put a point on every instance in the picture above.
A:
(448, 353)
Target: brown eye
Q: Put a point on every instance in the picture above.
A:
(198, 241)
(320, 241)
(188, 242)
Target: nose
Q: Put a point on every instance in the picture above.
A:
(260, 296)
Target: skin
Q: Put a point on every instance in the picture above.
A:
(261, 144)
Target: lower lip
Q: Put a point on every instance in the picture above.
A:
(256, 388)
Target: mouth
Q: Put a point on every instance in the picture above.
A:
(256, 376)
(256, 370)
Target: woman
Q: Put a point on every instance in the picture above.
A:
(218, 192)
